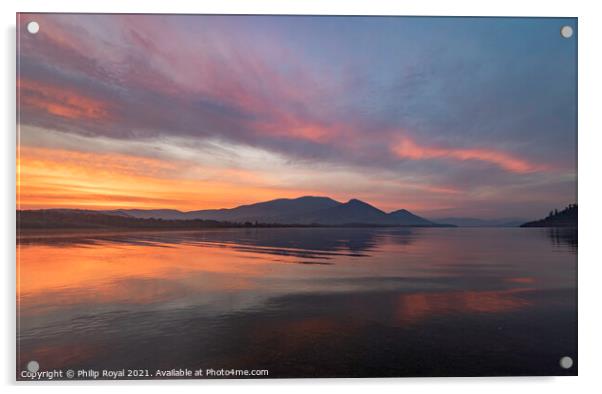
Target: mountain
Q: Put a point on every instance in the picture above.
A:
(45, 219)
(303, 210)
(474, 222)
(407, 218)
(273, 211)
(352, 212)
(282, 210)
(565, 218)
(165, 214)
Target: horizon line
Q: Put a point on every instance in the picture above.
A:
(427, 216)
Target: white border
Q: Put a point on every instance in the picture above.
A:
(590, 144)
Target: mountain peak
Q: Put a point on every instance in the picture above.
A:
(301, 210)
(355, 201)
(406, 217)
(356, 204)
(315, 198)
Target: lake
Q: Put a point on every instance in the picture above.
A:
(302, 302)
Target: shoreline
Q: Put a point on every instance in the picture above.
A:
(39, 233)
(32, 233)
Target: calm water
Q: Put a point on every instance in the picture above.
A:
(303, 302)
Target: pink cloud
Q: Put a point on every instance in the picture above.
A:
(406, 148)
(60, 101)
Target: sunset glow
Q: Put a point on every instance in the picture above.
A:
(57, 178)
(285, 196)
(111, 114)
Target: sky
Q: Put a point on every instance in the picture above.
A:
(471, 117)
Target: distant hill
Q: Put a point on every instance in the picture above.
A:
(298, 211)
(353, 211)
(565, 218)
(407, 217)
(474, 222)
(166, 214)
(282, 210)
(85, 219)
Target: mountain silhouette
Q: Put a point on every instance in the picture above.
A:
(475, 222)
(409, 219)
(352, 212)
(565, 218)
(303, 210)
(282, 210)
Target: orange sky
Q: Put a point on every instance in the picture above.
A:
(48, 178)
(70, 178)
(112, 115)
(66, 178)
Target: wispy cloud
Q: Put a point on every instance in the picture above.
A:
(61, 102)
(326, 96)
(406, 148)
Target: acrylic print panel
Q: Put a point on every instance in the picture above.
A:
(214, 196)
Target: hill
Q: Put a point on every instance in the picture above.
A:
(85, 219)
(352, 212)
(298, 211)
(475, 222)
(409, 219)
(565, 218)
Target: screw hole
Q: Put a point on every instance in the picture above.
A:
(33, 366)
(566, 31)
(33, 27)
(566, 362)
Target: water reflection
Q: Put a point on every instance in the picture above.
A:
(301, 302)
(563, 236)
(286, 241)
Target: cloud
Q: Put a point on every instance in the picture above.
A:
(60, 102)
(326, 96)
(213, 87)
(56, 168)
(406, 148)
(63, 178)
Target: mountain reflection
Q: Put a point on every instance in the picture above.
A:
(300, 242)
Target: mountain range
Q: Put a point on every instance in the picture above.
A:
(475, 222)
(302, 211)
